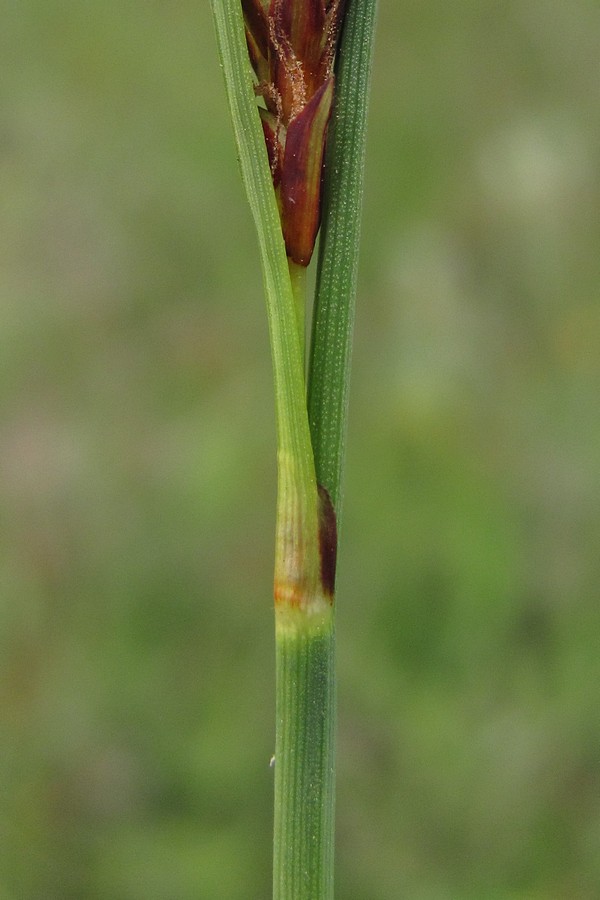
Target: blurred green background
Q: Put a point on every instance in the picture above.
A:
(137, 466)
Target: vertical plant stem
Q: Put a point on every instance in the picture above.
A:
(304, 754)
(309, 456)
(303, 834)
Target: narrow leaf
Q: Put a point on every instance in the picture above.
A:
(333, 317)
(293, 433)
(297, 563)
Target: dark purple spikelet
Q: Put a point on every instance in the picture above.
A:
(291, 44)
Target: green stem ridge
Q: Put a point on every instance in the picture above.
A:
(333, 316)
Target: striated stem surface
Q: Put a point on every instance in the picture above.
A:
(304, 758)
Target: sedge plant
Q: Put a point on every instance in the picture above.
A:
(297, 77)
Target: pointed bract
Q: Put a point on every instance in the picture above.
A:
(301, 175)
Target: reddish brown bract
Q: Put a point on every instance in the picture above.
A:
(291, 44)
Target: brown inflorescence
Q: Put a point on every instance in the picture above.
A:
(292, 44)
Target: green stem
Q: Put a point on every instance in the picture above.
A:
(304, 760)
(305, 530)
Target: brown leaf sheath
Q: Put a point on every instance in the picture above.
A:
(294, 588)
(327, 542)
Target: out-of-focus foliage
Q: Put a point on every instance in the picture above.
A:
(137, 465)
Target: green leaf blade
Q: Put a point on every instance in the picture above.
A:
(294, 444)
(333, 316)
